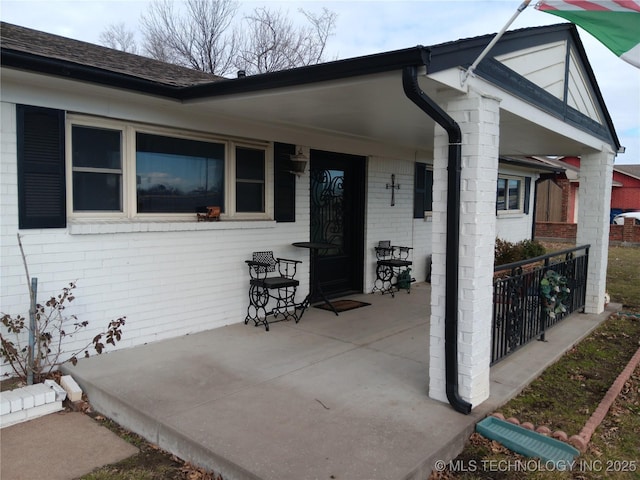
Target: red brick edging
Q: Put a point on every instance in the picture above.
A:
(581, 440)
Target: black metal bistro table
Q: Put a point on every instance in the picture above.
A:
(314, 285)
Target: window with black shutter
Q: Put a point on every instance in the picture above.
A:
(514, 194)
(284, 201)
(41, 174)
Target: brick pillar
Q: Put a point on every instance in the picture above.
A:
(596, 176)
(478, 117)
(627, 229)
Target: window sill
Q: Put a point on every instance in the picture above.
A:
(510, 214)
(97, 227)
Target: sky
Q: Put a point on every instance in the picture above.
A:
(366, 27)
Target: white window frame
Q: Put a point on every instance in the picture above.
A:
(507, 210)
(129, 196)
(230, 198)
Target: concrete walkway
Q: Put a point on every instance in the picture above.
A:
(340, 397)
(59, 446)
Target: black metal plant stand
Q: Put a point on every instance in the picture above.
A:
(393, 271)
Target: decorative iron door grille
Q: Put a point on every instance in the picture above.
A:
(337, 217)
(327, 208)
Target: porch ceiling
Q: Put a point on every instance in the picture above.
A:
(374, 108)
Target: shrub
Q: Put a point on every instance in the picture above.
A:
(532, 248)
(50, 329)
(509, 252)
(35, 361)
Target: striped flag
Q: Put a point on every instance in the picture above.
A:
(615, 23)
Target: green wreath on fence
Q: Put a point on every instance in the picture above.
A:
(554, 292)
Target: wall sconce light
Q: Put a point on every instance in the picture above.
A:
(298, 163)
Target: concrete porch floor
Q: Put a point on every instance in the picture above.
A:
(332, 397)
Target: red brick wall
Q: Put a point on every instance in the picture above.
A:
(628, 232)
(556, 230)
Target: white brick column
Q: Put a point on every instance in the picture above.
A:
(478, 117)
(596, 177)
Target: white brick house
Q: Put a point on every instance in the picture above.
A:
(94, 207)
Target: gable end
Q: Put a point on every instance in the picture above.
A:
(505, 78)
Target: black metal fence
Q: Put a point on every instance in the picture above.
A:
(519, 314)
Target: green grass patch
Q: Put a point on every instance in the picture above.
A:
(623, 275)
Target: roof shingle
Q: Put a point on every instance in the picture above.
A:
(17, 38)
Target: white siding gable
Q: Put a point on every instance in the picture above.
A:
(579, 94)
(543, 65)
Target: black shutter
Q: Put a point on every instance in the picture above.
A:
(527, 194)
(284, 201)
(419, 190)
(428, 190)
(41, 175)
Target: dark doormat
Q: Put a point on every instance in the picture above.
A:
(343, 305)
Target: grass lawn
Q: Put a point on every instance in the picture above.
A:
(623, 275)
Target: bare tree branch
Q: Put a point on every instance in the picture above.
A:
(117, 36)
(198, 37)
(324, 26)
(272, 42)
(198, 34)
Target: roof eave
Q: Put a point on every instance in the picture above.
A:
(592, 79)
(340, 69)
(531, 164)
(63, 68)
(336, 70)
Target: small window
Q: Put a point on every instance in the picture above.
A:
(423, 190)
(509, 195)
(178, 175)
(97, 169)
(250, 180)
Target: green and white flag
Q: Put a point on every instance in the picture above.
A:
(615, 23)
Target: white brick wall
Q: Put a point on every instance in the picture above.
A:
(179, 278)
(174, 278)
(394, 223)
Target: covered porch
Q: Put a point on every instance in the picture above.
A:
(330, 397)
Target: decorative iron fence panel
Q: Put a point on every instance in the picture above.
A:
(519, 314)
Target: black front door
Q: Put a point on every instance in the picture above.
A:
(337, 217)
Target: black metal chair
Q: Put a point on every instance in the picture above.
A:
(272, 295)
(393, 270)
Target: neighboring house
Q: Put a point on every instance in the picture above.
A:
(106, 156)
(517, 178)
(625, 196)
(558, 194)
